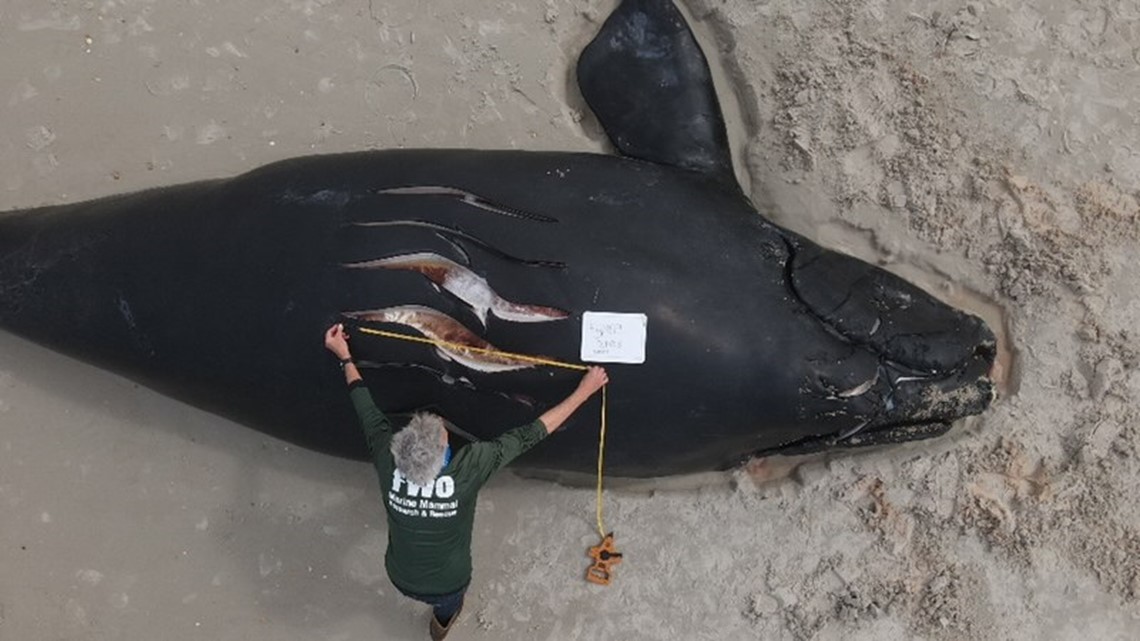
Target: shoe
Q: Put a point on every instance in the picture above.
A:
(439, 630)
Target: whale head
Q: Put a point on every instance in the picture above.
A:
(904, 365)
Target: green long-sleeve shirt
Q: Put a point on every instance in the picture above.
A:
(429, 528)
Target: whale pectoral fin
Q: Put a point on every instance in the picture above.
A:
(649, 84)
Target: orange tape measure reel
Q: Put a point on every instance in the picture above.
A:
(605, 556)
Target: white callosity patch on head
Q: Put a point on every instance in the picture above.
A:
(465, 285)
(461, 344)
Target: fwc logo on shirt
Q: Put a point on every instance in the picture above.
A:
(410, 499)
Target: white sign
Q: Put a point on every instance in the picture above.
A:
(609, 337)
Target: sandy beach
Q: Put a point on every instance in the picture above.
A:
(986, 150)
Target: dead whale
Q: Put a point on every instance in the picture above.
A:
(757, 340)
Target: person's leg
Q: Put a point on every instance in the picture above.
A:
(447, 606)
(444, 606)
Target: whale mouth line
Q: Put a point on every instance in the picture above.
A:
(867, 435)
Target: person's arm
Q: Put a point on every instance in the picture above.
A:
(336, 341)
(489, 457)
(594, 380)
(375, 424)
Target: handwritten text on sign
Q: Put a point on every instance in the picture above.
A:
(609, 337)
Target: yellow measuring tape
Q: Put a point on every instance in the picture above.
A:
(528, 359)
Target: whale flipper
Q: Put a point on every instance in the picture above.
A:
(647, 81)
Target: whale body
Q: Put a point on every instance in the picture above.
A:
(758, 340)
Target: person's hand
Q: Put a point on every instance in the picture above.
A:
(336, 341)
(594, 379)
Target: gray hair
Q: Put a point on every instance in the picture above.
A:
(418, 448)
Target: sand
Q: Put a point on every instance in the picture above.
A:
(988, 150)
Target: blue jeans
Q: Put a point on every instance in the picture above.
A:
(444, 606)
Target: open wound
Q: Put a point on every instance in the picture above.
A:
(454, 235)
(467, 198)
(465, 285)
(463, 346)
